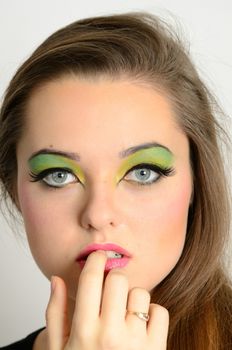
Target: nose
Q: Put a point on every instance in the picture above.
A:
(99, 212)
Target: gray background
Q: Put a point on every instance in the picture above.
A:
(24, 24)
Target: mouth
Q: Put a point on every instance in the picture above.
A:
(110, 255)
(116, 255)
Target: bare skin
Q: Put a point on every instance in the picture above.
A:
(100, 320)
(99, 119)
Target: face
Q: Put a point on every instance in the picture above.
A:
(103, 162)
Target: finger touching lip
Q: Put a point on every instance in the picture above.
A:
(113, 251)
(110, 263)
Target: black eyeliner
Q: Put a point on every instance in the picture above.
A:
(163, 172)
(37, 177)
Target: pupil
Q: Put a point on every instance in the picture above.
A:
(59, 176)
(144, 173)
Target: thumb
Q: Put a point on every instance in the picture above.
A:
(58, 328)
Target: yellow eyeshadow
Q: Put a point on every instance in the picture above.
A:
(156, 155)
(46, 161)
(159, 156)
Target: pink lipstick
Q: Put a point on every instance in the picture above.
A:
(118, 257)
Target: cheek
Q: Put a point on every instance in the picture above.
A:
(45, 225)
(37, 215)
(172, 223)
(165, 210)
(173, 214)
(172, 219)
(164, 224)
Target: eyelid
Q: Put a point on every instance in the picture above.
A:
(147, 166)
(41, 175)
(156, 158)
(43, 162)
(161, 171)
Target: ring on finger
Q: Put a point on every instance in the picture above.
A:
(141, 315)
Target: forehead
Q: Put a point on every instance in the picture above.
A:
(101, 112)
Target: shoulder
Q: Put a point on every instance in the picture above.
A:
(24, 344)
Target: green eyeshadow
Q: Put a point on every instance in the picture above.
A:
(46, 161)
(159, 156)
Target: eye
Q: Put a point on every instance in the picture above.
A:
(147, 174)
(55, 177)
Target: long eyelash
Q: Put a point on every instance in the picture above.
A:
(163, 172)
(44, 173)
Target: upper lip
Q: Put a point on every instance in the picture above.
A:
(107, 246)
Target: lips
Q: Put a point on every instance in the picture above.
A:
(107, 247)
(113, 251)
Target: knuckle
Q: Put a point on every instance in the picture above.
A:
(117, 276)
(88, 276)
(138, 291)
(110, 341)
(159, 309)
(83, 334)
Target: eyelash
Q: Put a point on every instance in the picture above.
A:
(40, 176)
(163, 172)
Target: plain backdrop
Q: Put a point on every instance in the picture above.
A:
(24, 24)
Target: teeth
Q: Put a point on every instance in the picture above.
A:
(112, 254)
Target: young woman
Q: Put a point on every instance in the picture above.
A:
(109, 148)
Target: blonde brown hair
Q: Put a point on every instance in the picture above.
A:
(143, 48)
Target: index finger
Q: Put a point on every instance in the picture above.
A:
(89, 292)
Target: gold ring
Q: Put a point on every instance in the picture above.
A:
(142, 315)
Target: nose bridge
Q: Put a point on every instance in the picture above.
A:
(99, 209)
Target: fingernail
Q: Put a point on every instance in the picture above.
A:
(53, 284)
(102, 252)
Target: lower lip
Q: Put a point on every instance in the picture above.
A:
(111, 263)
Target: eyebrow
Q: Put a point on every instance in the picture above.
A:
(123, 154)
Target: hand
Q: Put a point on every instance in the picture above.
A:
(100, 320)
